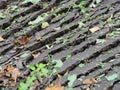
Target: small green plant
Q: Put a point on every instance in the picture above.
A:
(81, 65)
(94, 3)
(71, 79)
(112, 77)
(81, 24)
(41, 69)
(28, 83)
(68, 56)
(2, 16)
(31, 1)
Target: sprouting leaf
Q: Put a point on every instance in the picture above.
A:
(110, 18)
(14, 8)
(32, 67)
(81, 24)
(24, 55)
(2, 16)
(98, 1)
(58, 64)
(94, 29)
(49, 47)
(37, 20)
(81, 65)
(0, 67)
(44, 72)
(31, 1)
(71, 79)
(100, 41)
(44, 24)
(68, 56)
(112, 77)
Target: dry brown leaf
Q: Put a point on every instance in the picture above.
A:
(90, 81)
(1, 38)
(22, 40)
(94, 29)
(59, 76)
(87, 88)
(36, 55)
(10, 74)
(55, 87)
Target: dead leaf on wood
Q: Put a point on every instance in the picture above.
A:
(10, 74)
(22, 40)
(90, 81)
(55, 87)
(1, 38)
(38, 37)
(87, 88)
(59, 76)
(94, 29)
(36, 55)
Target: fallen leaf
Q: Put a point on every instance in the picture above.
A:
(88, 88)
(38, 37)
(9, 74)
(1, 38)
(36, 55)
(90, 81)
(94, 29)
(44, 25)
(22, 40)
(112, 77)
(55, 87)
(59, 76)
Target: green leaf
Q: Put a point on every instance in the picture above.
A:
(44, 72)
(2, 16)
(24, 55)
(98, 1)
(37, 20)
(32, 67)
(81, 65)
(68, 56)
(71, 79)
(44, 24)
(100, 41)
(23, 86)
(112, 77)
(32, 1)
(81, 24)
(58, 64)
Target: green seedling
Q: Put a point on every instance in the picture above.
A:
(112, 77)
(2, 16)
(71, 80)
(81, 65)
(28, 83)
(68, 56)
(81, 24)
(31, 1)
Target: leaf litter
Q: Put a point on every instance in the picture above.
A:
(9, 75)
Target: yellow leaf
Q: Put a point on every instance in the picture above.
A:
(55, 87)
(1, 38)
(94, 29)
(90, 81)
